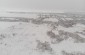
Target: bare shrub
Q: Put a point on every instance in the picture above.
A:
(67, 24)
(63, 34)
(44, 46)
(2, 36)
(51, 34)
(72, 53)
(35, 21)
(58, 38)
(76, 37)
(65, 53)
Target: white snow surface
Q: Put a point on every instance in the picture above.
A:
(20, 38)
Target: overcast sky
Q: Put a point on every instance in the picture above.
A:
(54, 5)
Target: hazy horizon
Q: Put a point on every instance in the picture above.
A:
(43, 5)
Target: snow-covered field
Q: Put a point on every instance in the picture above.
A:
(42, 34)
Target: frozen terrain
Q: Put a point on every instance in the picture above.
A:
(42, 33)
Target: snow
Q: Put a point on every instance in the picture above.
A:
(4, 25)
(21, 38)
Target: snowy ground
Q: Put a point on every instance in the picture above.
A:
(42, 34)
